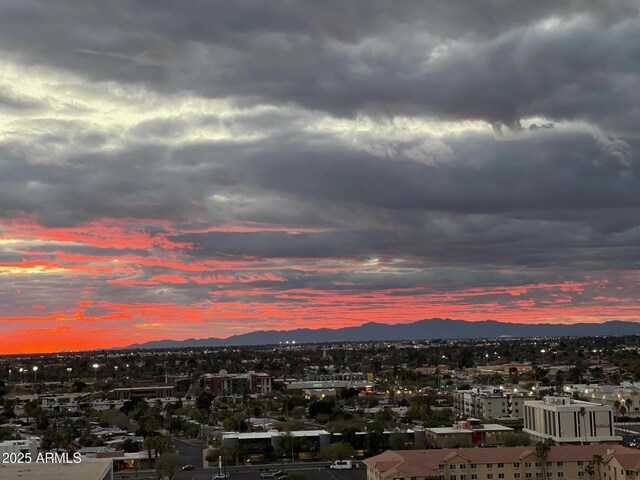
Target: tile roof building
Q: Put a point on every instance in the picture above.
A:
(566, 462)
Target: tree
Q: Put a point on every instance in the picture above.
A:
(590, 470)
(512, 439)
(398, 441)
(168, 463)
(543, 448)
(583, 426)
(597, 463)
(337, 451)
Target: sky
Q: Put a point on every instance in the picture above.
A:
(208, 168)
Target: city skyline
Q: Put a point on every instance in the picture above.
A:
(188, 169)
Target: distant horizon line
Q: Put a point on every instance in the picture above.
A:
(140, 346)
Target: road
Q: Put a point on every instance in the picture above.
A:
(190, 451)
(308, 471)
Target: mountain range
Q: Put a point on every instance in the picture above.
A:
(429, 329)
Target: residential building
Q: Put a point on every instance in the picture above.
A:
(224, 383)
(566, 420)
(566, 462)
(488, 403)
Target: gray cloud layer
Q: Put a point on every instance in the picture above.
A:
(456, 142)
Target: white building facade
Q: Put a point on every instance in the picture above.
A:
(569, 421)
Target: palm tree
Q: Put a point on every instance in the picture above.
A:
(583, 427)
(597, 462)
(590, 470)
(543, 448)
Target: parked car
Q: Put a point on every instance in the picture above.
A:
(342, 465)
(279, 475)
(188, 467)
(221, 476)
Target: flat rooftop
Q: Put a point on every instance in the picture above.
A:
(87, 469)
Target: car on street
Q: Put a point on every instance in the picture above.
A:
(188, 467)
(342, 465)
(279, 475)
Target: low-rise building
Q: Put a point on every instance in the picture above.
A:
(509, 463)
(566, 420)
(488, 403)
(466, 433)
(224, 383)
(86, 469)
(8, 447)
(151, 391)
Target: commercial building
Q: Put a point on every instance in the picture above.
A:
(566, 420)
(152, 391)
(19, 447)
(224, 383)
(466, 433)
(69, 402)
(258, 444)
(567, 462)
(624, 399)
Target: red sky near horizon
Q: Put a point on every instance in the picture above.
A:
(277, 166)
(135, 287)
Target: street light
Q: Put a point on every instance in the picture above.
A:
(21, 375)
(95, 369)
(69, 370)
(35, 373)
(115, 375)
(127, 370)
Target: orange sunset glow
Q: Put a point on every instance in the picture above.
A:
(165, 179)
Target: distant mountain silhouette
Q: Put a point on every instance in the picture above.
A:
(420, 330)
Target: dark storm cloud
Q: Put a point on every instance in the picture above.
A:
(310, 180)
(475, 60)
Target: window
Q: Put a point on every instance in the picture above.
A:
(538, 474)
(489, 476)
(516, 465)
(537, 464)
(559, 464)
(463, 477)
(501, 475)
(516, 475)
(452, 477)
(548, 464)
(452, 466)
(473, 466)
(580, 463)
(501, 465)
(474, 476)
(527, 475)
(489, 465)
(527, 464)
(560, 474)
(441, 466)
(463, 466)
(581, 473)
